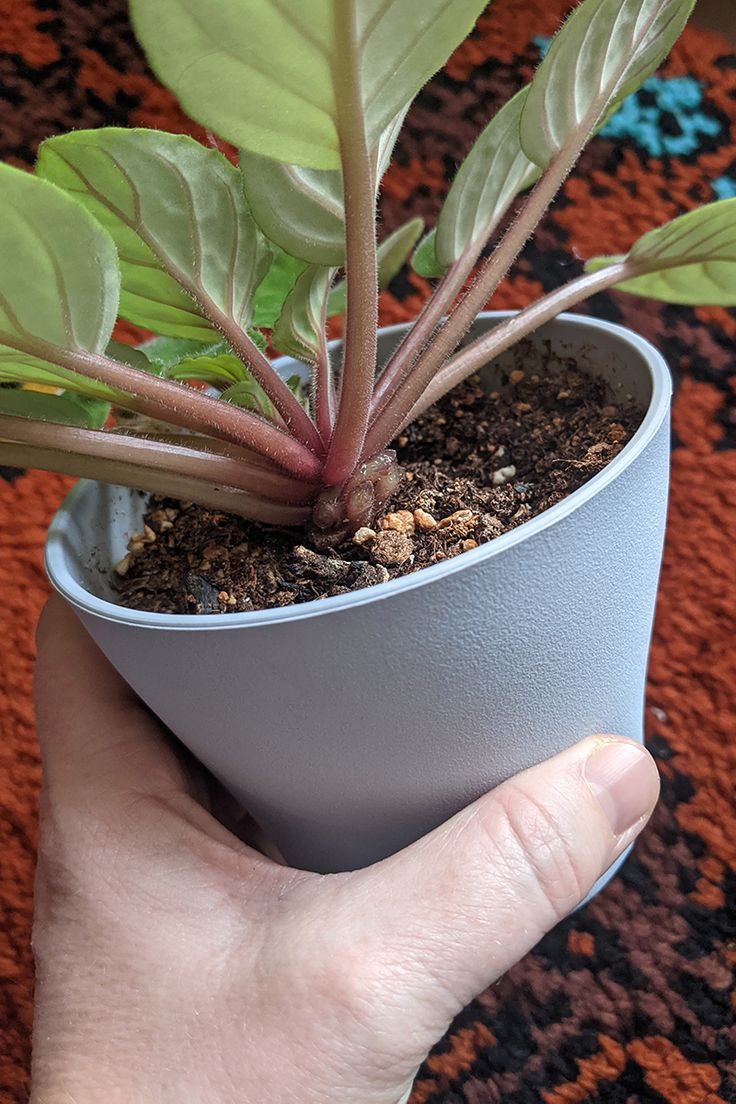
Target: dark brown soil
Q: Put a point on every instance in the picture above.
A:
(476, 466)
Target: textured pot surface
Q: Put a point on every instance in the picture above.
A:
(352, 726)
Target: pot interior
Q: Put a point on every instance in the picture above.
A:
(97, 531)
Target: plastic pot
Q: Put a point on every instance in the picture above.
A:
(353, 725)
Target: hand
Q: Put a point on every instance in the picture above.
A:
(176, 965)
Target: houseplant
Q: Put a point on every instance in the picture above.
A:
(136, 184)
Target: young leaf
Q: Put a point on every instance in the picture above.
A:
(297, 331)
(392, 253)
(216, 367)
(128, 354)
(164, 352)
(59, 281)
(189, 250)
(271, 293)
(250, 396)
(690, 260)
(493, 173)
(64, 409)
(604, 51)
(302, 210)
(424, 260)
(263, 73)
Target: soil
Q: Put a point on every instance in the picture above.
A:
(475, 466)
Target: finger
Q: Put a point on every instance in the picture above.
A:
(453, 912)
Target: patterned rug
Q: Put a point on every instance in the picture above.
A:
(632, 1000)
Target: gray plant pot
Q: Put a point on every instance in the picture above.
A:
(351, 726)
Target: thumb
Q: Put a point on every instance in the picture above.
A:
(453, 912)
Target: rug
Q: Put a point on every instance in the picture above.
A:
(633, 999)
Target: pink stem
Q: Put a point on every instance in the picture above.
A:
(462, 317)
(359, 346)
(413, 343)
(508, 333)
(294, 415)
(324, 392)
(177, 404)
(172, 484)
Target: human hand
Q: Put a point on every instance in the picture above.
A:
(176, 965)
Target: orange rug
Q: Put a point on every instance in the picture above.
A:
(632, 1000)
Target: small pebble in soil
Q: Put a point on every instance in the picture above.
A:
(475, 466)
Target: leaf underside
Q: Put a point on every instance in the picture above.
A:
(602, 53)
(691, 260)
(263, 73)
(178, 218)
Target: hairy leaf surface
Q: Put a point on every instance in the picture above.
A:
(64, 409)
(690, 260)
(263, 73)
(297, 331)
(493, 173)
(603, 52)
(187, 243)
(302, 210)
(424, 261)
(59, 282)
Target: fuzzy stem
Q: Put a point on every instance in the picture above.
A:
(295, 417)
(145, 479)
(286, 403)
(359, 346)
(324, 391)
(460, 320)
(508, 333)
(177, 404)
(413, 342)
(185, 461)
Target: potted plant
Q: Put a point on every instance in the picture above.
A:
(351, 723)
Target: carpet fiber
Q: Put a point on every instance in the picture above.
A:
(633, 999)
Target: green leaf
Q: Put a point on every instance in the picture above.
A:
(392, 253)
(251, 397)
(297, 330)
(128, 354)
(425, 260)
(248, 395)
(263, 73)
(165, 352)
(59, 282)
(691, 260)
(493, 173)
(603, 52)
(187, 242)
(64, 409)
(302, 210)
(214, 367)
(271, 293)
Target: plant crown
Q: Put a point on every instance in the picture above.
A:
(222, 260)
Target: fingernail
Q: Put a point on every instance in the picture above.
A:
(624, 779)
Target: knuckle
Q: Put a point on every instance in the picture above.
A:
(535, 843)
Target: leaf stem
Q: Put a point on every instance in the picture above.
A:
(508, 333)
(285, 402)
(186, 461)
(359, 356)
(177, 404)
(295, 416)
(493, 271)
(414, 341)
(324, 391)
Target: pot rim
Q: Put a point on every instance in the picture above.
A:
(55, 557)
